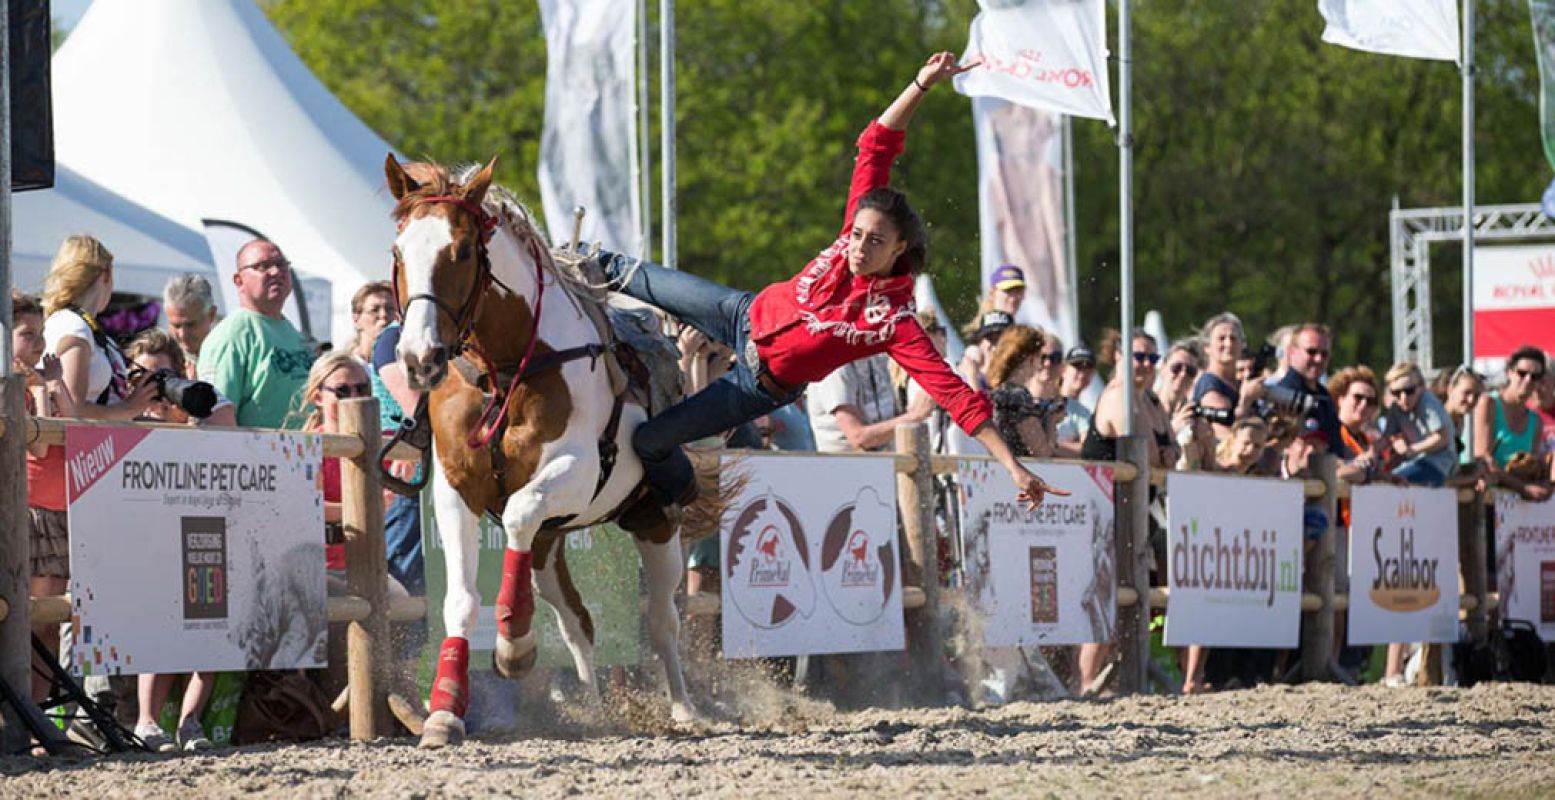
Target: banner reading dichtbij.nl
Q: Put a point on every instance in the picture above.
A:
(809, 557)
(1047, 54)
(1040, 576)
(1233, 561)
(1413, 28)
(195, 550)
(1403, 565)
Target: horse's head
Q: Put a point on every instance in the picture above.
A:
(440, 264)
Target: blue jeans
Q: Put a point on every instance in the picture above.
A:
(1420, 473)
(402, 540)
(724, 315)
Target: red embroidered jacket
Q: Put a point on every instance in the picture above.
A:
(826, 316)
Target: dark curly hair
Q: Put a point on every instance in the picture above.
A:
(893, 204)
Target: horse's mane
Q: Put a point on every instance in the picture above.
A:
(437, 180)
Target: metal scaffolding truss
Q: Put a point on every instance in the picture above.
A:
(1412, 231)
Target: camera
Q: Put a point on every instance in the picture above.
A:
(1260, 361)
(1219, 416)
(197, 398)
(1290, 401)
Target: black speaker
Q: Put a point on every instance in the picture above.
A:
(32, 111)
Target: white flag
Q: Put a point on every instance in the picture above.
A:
(1414, 28)
(588, 150)
(1049, 54)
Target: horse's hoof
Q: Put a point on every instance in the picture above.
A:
(513, 658)
(441, 729)
(683, 714)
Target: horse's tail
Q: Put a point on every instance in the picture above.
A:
(719, 481)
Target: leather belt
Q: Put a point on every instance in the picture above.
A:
(775, 387)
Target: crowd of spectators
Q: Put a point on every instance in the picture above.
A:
(1210, 402)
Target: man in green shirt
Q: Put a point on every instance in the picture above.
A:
(254, 356)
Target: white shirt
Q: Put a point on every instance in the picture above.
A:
(864, 384)
(65, 322)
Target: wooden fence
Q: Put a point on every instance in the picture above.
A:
(368, 611)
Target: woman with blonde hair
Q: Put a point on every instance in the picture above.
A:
(77, 288)
(1417, 431)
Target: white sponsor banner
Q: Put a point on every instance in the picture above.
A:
(1233, 561)
(1525, 561)
(810, 558)
(1048, 54)
(1044, 576)
(1414, 28)
(195, 550)
(1403, 565)
(1020, 200)
(1514, 277)
(588, 149)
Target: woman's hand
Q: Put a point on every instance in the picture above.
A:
(1399, 446)
(942, 67)
(1032, 489)
(1537, 492)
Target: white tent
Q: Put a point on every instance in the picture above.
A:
(148, 249)
(198, 109)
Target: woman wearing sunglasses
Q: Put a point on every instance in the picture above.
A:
(1150, 417)
(1504, 427)
(1420, 438)
(1358, 398)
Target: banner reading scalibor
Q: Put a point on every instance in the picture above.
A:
(809, 558)
(1233, 561)
(195, 550)
(1043, 576)
(1403, 565)
(1525, 561)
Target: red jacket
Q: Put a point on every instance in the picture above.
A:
(825, 316)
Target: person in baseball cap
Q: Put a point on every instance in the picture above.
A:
(1007, 289)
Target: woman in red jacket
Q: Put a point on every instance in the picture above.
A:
(851, 301)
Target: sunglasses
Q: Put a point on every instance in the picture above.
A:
(1403, 391)
(1529, 374)
(1181, 367)
(1363, 399)
(1315, 352)
(349, 390)
(262, 266)
(1147, 358)
(1052, 359)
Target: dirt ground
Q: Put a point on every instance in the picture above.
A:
(1492, 740)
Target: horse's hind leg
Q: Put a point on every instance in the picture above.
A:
(662, 562)
(554, 583)
(457, 529)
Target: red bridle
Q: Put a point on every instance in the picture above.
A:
(495, 412)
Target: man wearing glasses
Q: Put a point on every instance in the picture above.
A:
(255, 356)
(1308, 356)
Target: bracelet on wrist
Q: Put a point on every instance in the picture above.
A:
(920, 86)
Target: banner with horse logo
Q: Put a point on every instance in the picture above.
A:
(1525, 561)
(195, 550)
(1043, 576)
(809, 558)
(1403, 565)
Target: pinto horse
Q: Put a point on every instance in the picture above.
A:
(522, 435)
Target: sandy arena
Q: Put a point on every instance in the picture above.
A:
(1492, 740)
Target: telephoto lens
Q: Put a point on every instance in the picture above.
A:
(1219, 416)
(197, 398)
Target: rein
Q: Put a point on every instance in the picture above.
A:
(494, 414)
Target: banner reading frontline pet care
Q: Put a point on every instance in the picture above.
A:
(1403, 565)
(1042, 577)
(810, 559)
(1525, 561)
(195, 550)
(1233, 561)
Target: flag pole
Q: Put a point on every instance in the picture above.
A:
(1071, 248)
(667, 127)
(1467, 67)
(644, 142)
(1126, 215)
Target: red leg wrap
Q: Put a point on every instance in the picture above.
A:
(516, 600)
(451, 688)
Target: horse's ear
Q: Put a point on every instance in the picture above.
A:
(400, 182)
(475, 188)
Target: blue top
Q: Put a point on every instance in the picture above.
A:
(1326, 413)
(389, 411)
(1210, 383)
(1428, 417)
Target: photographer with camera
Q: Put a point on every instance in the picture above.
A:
(1027, 422)
(156, 359)
(1221, 386)
(1300, 391)
(1196, 437)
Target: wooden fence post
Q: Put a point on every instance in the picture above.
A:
(1132, 525)
(368, 658)
(915, 500)
(1317, 639)
(15, 557)
(1473, 560)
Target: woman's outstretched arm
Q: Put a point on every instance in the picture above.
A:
(939, 68)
